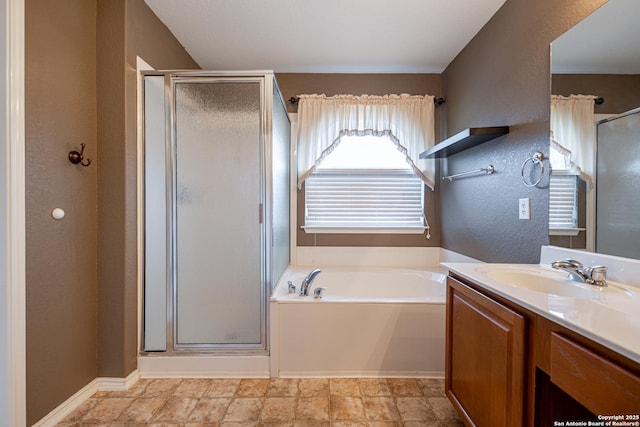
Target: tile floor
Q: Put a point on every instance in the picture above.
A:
(271, 402)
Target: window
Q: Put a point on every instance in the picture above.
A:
(563, 197)
(563, 200)
(571, 156)
(364, 185)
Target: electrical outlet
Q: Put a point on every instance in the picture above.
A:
(524, 211)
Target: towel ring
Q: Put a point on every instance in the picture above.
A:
(536, 159)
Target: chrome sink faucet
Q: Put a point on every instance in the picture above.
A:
(306, 283)
(596, 275)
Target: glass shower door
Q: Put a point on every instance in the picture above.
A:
(618, 172)
(217, 215)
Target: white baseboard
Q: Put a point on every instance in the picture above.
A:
(118, 384)
(72, 403)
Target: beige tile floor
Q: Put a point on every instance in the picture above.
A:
(271, 402)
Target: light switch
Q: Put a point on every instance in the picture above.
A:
(524, 211)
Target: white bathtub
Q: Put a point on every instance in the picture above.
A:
(370, 322)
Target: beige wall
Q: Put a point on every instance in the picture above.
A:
(293, 84)
(81, 271)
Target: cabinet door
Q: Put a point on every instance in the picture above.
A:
(485, 358)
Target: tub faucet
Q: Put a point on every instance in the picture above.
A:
(306, 283)
(596, 275)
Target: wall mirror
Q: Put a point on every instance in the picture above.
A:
(600, 56)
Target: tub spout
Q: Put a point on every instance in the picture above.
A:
(306, 283)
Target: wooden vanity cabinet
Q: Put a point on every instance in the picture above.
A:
(599, 384)
(485, 358)
(508, 366)
(596, 377)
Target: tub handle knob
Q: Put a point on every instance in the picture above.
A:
(292, 287)
(317, 292)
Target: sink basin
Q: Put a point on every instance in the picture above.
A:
(554, 283)
(540, 280)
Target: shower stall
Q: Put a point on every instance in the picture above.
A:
(618, 174)
(216, 209)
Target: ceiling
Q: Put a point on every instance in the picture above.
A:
(325, 36)
(605, 42)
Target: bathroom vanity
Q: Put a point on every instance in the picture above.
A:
(555, 353)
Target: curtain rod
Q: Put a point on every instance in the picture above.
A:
(437, 101)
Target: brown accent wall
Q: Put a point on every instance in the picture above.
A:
(61, 280)
(111, 189)
(502, 77)
(126, 29)
(621, 92)
(294, 84)
(80, 75)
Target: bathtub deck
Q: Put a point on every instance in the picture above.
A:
(275, 402)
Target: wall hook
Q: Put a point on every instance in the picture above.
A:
(75, 157)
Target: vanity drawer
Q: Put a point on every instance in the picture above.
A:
(600, 385)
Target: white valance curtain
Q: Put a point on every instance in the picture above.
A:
(573, 132)
(407, 119)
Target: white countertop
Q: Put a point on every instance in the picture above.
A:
(611, 321)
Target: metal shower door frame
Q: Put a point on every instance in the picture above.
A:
(266, 82)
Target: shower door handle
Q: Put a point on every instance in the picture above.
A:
(260, 213)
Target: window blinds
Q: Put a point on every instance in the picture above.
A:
(386, 199)
(562, 201)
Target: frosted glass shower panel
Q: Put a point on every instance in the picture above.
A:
(217, 198)
(155, 207)
(618, 197)
(281, 176)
